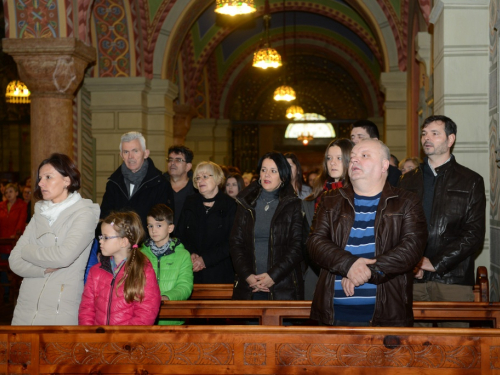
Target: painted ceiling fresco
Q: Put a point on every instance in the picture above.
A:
(334, 50)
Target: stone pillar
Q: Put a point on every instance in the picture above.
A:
(461, 66)
(52, 69)
(184, 113)
(122, 104)
(393, 84)
(210, 140)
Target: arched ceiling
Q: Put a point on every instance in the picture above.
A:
(334, 52)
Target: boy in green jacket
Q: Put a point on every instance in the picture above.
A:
(170, 260)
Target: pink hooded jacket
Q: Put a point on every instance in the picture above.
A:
(104, 304)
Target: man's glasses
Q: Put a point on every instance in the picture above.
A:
(105, 238)
(204, 177)
(175, 160)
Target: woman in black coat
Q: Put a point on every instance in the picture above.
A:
(205, 224)
(266, 240)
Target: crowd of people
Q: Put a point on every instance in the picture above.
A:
(361, 236)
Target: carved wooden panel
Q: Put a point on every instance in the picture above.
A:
(248, 350)
(352, 355)
(146, 353)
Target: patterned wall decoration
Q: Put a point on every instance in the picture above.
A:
(494, 142)
(84, 16)
(112, 39)
(151, 22)
(399, 25)
(37, 19)
(425, 8)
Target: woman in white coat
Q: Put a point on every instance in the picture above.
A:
(53, 252)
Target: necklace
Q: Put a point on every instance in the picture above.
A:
(268, 203)
(207, 208)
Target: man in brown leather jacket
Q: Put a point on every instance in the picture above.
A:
(369, 236)
(454, 203)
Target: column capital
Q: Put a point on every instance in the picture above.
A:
(393, 85)
(184, 113)
(52, 67)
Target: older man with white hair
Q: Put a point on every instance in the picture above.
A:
(137, 185)
(367, 237)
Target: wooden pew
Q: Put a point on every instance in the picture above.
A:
(225, 291)
(273, 312)
(248, 350)
(212, 291)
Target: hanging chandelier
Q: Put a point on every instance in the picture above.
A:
(295, 112)
(305, 138)
(266, 57)
(234, 8)
(17, 93)
(285, 93)
(306, 131)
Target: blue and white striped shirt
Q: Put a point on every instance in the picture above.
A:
(360, 306)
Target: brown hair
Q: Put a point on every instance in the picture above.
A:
(128, 225)
(346, 148)
(66, 167)
(161, 212)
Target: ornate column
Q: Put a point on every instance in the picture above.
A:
(393, 84)
(52, 69)
(461, 90)
(184, 113)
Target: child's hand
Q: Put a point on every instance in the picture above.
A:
(165, 298)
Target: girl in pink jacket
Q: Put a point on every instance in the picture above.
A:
(122, 289)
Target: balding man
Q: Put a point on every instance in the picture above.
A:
(365, 129)
(367, 237)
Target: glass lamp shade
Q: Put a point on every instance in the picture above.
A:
(307, 131)
(284, 93)
(295, 112)
(234, 8)
(17, 93)
(266, 58)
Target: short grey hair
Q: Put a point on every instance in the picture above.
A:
(130, 136)
(386, 153)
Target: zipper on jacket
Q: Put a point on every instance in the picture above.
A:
(375, 233)
(59, 299)
(254, 256)
(108, 315)
(40, 296)
(272, 257)
(158, 273)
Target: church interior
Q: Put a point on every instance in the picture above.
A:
(181, 73)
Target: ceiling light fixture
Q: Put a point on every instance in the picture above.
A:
(285, 93)
(266, 57)
(295, 112)
(234, 8)
(17, 93)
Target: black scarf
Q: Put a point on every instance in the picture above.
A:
(134, 178)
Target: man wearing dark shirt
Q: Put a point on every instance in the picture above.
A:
(179, 160)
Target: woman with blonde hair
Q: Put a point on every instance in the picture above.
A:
(408, 164)
(205, 224)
